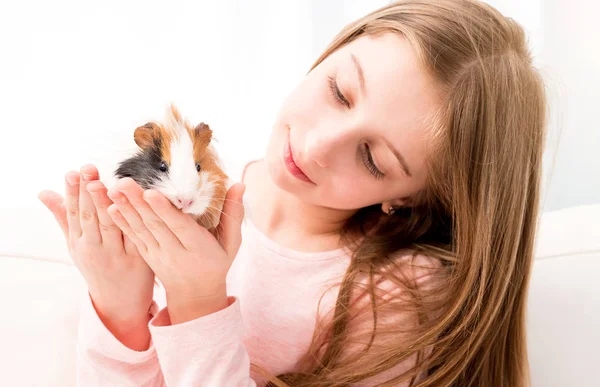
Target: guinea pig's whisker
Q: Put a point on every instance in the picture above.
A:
(217, 210)
(230, 200)
(235, 201)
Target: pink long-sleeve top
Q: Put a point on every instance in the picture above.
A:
(273, 296)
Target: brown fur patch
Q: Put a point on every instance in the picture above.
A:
(201, 136)
(212, 216)
(175, 114)
(144, 135)
(165, 144)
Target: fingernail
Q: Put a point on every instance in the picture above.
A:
(72, 180)
(87, 176)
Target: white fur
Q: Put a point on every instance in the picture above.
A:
(182, 180)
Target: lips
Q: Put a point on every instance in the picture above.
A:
(293, 168)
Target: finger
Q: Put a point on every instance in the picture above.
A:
(110, 232)
(72, 203)
(230, 223)
(121, 222)
(130, 247)
(183, 226)
(88, 217)
(133, 218)
(56, 204)
(161, 232)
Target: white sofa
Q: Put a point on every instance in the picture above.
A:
(40, 290)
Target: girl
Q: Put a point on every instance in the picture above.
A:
(387, 236)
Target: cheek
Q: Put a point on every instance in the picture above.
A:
(204, 192)
(347, 192)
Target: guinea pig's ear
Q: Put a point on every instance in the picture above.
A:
(202, 135)
(144, 135)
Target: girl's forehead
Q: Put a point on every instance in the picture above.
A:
(389, 62)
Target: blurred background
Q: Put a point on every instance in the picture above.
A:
(77, 77)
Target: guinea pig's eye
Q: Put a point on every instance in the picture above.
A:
(198, 167)
(163, 166)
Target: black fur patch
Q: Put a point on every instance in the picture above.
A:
(143, 167)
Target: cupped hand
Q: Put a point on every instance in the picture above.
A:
(120, 282)
(190, 261)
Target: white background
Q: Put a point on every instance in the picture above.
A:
(76, 77)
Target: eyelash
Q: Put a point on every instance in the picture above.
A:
(368, 160)
(337, 94)
(367, 157)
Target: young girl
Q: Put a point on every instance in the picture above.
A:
(387, 236)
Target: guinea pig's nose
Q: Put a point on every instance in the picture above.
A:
(184, 202)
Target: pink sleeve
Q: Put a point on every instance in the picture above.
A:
(102, 360)
(207, 351)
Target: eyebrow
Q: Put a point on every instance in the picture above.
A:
(361, 79)
(399, 157)
(359, 72)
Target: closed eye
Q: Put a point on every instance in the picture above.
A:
(370, 164)
(336, 93)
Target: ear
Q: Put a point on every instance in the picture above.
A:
(202, 135)
(396, 203)
(144, 135)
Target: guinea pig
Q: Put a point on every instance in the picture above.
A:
(179, 161)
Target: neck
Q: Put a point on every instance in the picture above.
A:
(299, 225)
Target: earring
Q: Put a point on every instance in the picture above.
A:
(390, 210)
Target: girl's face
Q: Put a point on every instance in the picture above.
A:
(356, 126)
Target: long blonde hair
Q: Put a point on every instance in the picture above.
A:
(477, 216)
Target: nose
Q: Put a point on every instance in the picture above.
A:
(184, 202)
(323, 144)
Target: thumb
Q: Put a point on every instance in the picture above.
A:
(230, 223)
(55, 203)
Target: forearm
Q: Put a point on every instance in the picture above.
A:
(132, 331)
(115, 351)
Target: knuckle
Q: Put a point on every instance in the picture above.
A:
(153, 224)
(107, 228)
(101, 206)
(181, 230)
(72, 212)
(138, 229)
(87, 216)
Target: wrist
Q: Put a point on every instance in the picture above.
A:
(131, 331)
(183, 308)
(123, 315)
